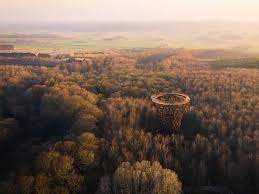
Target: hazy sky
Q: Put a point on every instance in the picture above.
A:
(128, 10)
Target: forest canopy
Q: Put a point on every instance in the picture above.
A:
(90, 126)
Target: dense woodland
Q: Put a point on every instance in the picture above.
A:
(90, 127)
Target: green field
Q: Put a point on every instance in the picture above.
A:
(251, 63)
(81, 43)
(213, 38)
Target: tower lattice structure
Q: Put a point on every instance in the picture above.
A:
(170, 108)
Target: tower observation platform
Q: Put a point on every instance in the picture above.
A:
(170, 108)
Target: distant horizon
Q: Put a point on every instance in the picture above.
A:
(133, 34)
(125, 26)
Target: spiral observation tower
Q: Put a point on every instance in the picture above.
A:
(170, 108)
